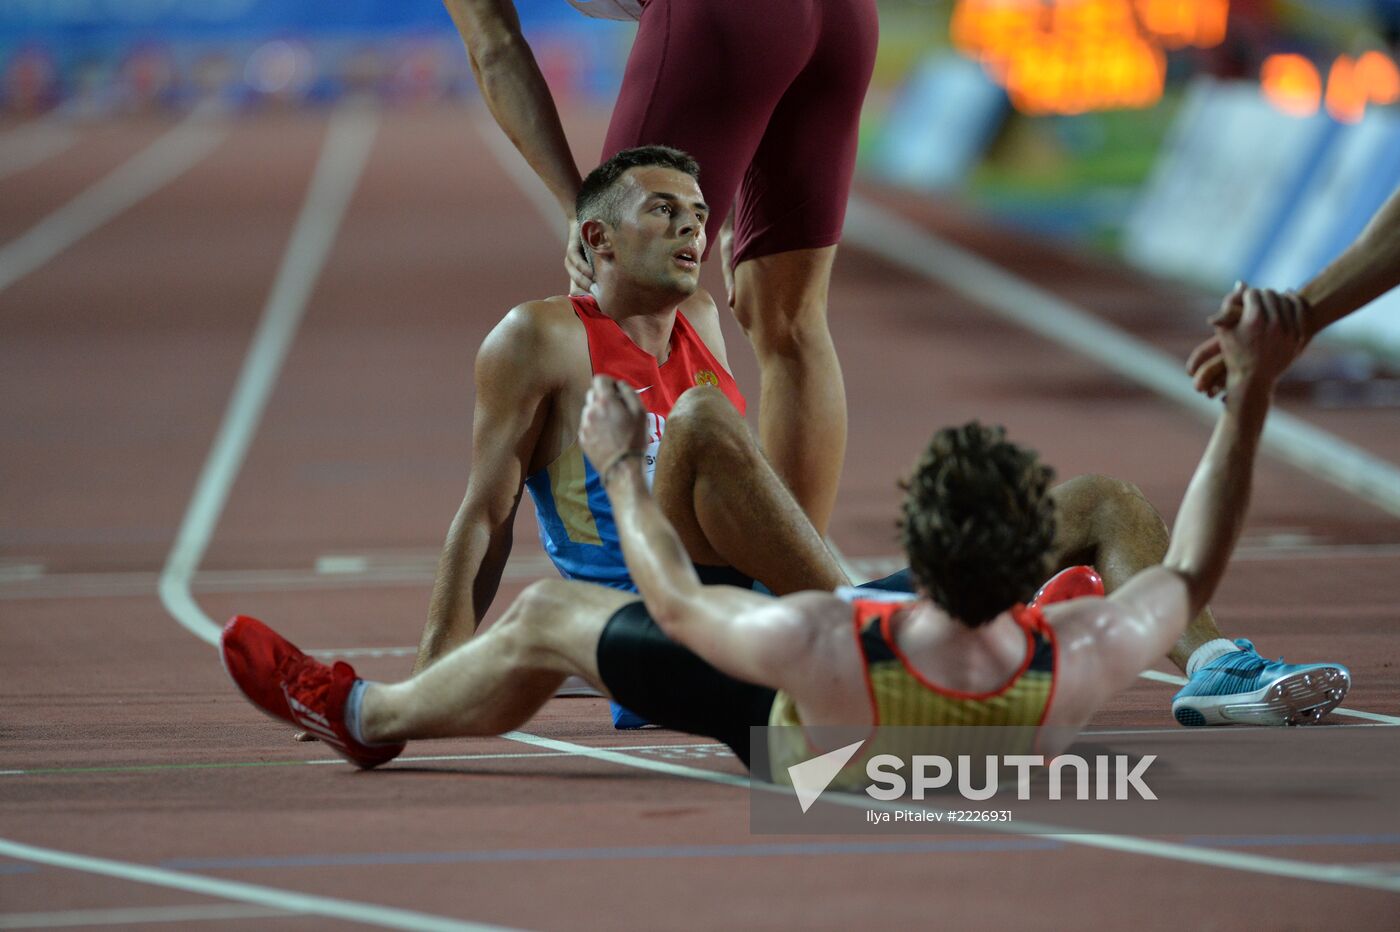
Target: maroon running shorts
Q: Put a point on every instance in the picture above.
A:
(766, 96)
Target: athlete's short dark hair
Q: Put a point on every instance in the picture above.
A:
(598, 198)
(978, 522)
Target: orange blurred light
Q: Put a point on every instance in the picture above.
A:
(1379, 76)
(1071, 56)
(1177, 23)
(1292, 84)
(1346, 99)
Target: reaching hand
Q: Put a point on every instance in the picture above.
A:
(1258, 339)
(576, 263)
(613, 424)
(1207, 366)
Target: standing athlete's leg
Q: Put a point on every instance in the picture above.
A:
(728, 505)
(787, 222)
(499, 679)
(781, 302)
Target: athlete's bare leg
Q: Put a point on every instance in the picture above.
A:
(729, 506)
(500, 678)
(1108, 524)
(780, 301)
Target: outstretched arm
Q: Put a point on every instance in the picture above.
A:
(511, 405)
(1366, 270)
(515, 91)
(747, 635)
(1141, 620)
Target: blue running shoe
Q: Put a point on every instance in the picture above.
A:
(1243, 688)
(624, 720)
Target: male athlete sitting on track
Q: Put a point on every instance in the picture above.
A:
(714, 660)
(642, 215)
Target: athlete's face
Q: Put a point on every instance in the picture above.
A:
(660, 234)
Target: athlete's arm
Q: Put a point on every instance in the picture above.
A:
(747, 635)
(1366, 270)
(513, 384)
(1110, 641)
(516, 92)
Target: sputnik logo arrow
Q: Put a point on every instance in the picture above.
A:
(811, 777)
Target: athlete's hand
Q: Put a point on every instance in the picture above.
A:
(1205, 365)
(613, 424)
(1260, 339)
(576, 263)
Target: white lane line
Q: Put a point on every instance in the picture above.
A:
(269, 897)
(30, 581)
(1345, 875)
(703, 748)
(27, 146)
(344, 152)
(135, 916)
(1173, 679)
(172, 154)
(904, 244)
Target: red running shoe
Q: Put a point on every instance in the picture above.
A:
(286, 684)
(1075, 582)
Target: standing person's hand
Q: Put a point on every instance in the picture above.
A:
(576, 264)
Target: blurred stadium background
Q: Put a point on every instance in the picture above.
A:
(1203, 140)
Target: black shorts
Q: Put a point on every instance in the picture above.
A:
(669, 685)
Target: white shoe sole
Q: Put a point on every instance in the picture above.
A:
(1300, 698)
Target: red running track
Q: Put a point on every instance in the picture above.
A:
(122, 739)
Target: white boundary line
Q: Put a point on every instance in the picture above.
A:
(349, 910)
(172, 154)
(344, 152)
(61, 919)
(910, 247)
(1231, 860)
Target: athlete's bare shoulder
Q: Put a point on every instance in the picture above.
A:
(544, 336)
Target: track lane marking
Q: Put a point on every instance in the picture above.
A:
(349, 138)
(337, 761)
(169, 156)
(61, 919)
(286, 900)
